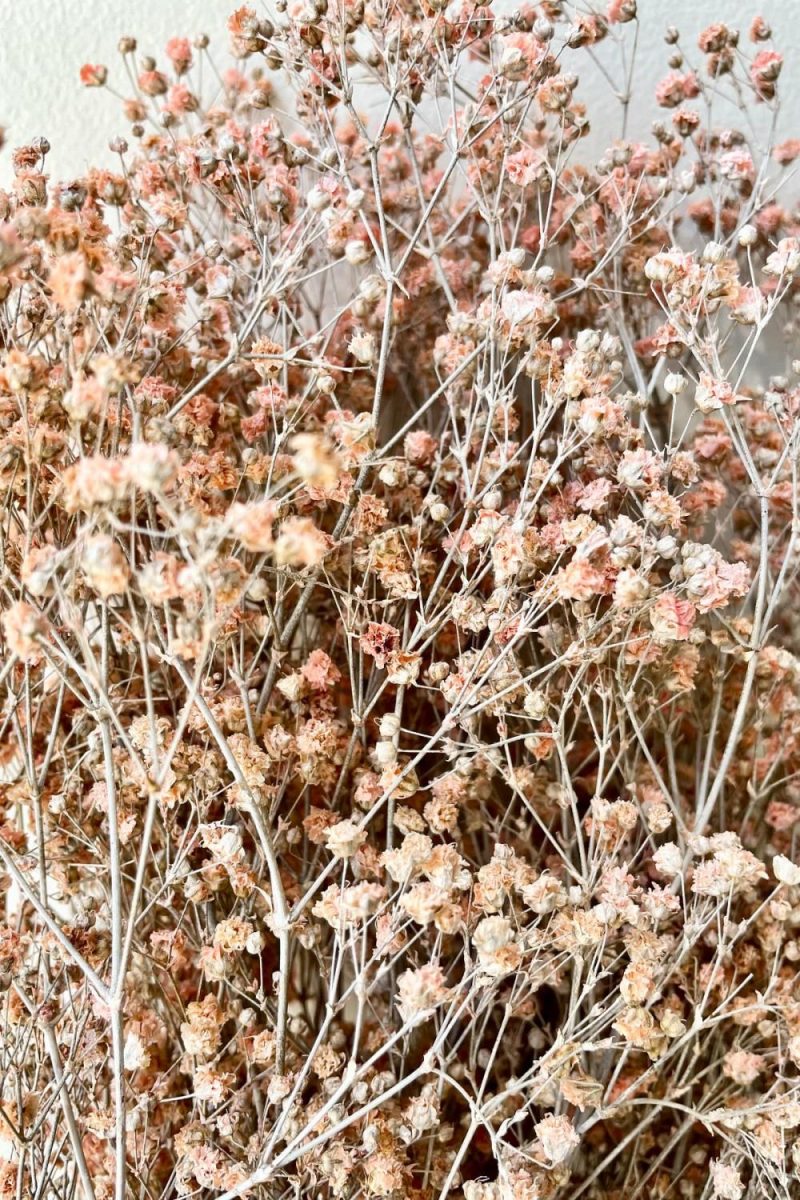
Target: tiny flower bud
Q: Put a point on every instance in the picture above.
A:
(713, 252)
(357, 252)
(372, 288)
(385, 754)
(318, 199)
(389, 725)
(674, 383)
(93, 74)
(326, 384)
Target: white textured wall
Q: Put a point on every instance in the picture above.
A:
(44, 42)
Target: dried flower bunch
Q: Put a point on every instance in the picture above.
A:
(400, 736)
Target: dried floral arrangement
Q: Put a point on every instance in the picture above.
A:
(400, 734)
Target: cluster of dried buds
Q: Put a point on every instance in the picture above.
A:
(399, 603)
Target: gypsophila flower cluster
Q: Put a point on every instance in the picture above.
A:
(400, 617)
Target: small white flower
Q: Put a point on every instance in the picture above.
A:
(674, 383)
(668, 859)
(713, 252)
(357, 252)
(134, 1054)
(362, 347)
(785, 870)
(558, 1138)
(726, 1180)
(785, 260)
(344, 838)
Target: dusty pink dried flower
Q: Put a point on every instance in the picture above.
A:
(400, 737)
